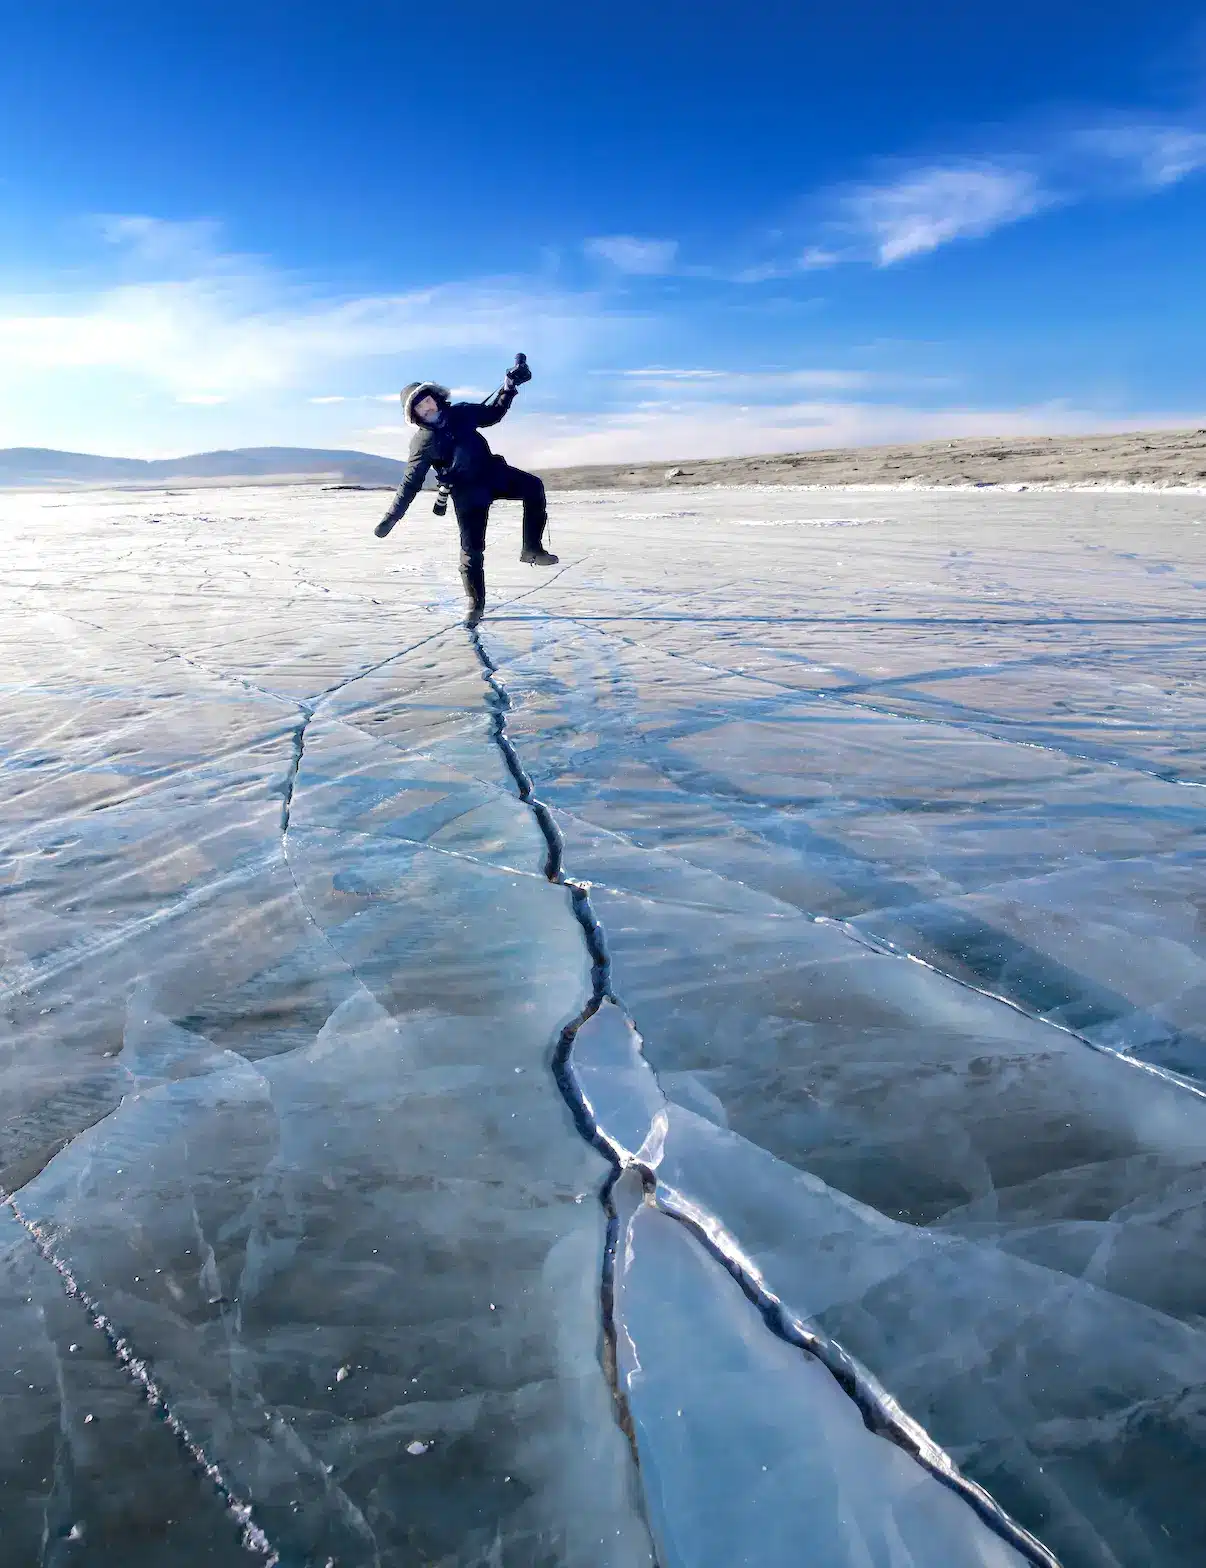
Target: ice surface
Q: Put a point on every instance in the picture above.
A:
(282, 1104)
(749, 1448)
(890, 810)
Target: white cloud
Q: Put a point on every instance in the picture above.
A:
(627, 253)
(727, 386)
(767, 272)
(656, 372)
(816, 257)
(232, 335)
(160, 243)
(184, 344)
(1160, 155)
(813, 258)
(932, 206)
(233, 329)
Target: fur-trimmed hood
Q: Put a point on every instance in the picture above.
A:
(419, 389)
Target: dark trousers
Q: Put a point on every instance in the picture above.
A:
(473, 513)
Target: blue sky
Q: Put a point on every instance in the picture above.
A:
(713, 229)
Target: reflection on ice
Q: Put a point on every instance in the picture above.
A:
(283, 1105)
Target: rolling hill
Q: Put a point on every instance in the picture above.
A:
(38, 466)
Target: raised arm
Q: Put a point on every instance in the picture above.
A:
(494, 407)
(497, 404)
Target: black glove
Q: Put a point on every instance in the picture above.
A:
(384, 526)
(518, 373)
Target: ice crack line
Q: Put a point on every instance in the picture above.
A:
(142, 1375)
(499, 702)
(299, 747)
(965, 719)
(880, 1412)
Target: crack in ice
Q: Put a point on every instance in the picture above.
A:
(868, 939)
(836, 695)
(140, 1373)
(881, 1413)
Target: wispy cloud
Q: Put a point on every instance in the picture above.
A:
(764, 272)
(225, 326)
(638, 257)
(732, 387)
(173, 338)
(192, 334)
(815, 257)
(234, 337)
(932, 206)
(659, 373)
(162, 243)
(1156, 155)
(910, 209)
(914, 208)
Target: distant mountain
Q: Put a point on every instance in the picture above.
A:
(27, 465)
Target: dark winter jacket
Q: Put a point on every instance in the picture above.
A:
(454, 446)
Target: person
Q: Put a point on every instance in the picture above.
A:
(448, 438)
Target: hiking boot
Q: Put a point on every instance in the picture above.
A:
(473, 576)
(539, 557)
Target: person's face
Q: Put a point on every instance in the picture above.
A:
(426, 409)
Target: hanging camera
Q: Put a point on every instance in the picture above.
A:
(440, 505)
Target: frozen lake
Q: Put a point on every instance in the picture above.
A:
(828, 864)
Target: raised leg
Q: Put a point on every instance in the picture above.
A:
(514, 484)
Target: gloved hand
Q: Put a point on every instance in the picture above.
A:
(518, 373)
(384, 526)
